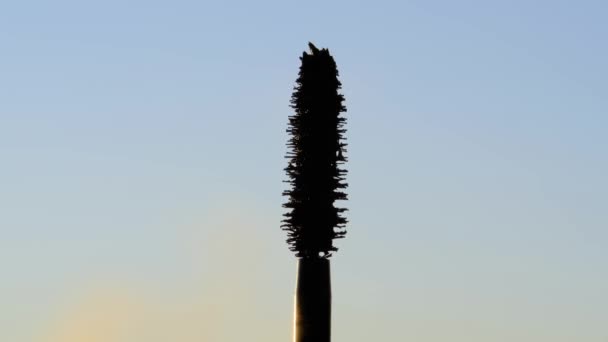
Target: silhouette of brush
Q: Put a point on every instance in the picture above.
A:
(316, 152)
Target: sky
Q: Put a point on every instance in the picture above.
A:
(143, 142)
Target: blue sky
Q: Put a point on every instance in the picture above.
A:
(143, 142)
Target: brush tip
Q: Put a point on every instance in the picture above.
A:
(317, 152)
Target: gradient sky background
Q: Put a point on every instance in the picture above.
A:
(142, 148)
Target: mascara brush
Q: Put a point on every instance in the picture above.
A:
(316, 153)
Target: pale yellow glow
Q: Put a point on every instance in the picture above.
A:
(225, 302)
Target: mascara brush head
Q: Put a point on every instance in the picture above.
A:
(316, 152)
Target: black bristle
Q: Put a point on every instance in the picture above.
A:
(317, 149)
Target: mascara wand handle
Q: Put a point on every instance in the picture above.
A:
(312, 316)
